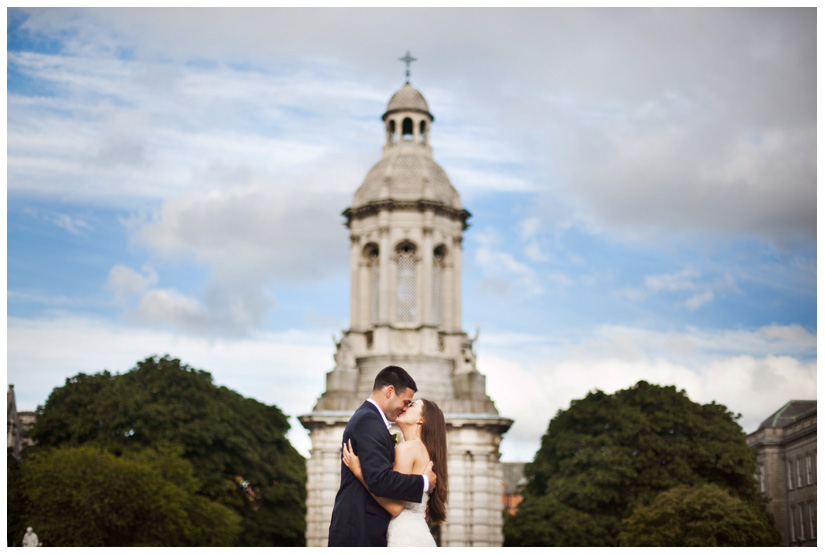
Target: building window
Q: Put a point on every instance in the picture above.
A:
(789, 471)
(810, 468)
(812, 518)
(798, 473)
(422, 131)
(373, 275)
(793, 526)
(438, 283)
(801, 522)
(760, 471)
(392, 130)
(405, 297)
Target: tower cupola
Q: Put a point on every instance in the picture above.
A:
(406, 170)
(408, 118)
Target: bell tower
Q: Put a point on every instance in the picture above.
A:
(406, 224)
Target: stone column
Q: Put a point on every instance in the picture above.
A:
(323, 475)
(455, 286)
(357, 281)
(385, 288)
(426, 290)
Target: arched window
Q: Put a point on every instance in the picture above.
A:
(407, 130)
(405, 294)
(439, 255)
(392, 130)
(373, 273)
(422, 132)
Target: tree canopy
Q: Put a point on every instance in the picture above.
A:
(697, 516)
(608, 454)
(86, 496)
(237, 446)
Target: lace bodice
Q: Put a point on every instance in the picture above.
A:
(409, 529)
(420, 508)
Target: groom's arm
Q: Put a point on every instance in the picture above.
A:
(376, 464)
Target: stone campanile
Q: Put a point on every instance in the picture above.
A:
(406, 224)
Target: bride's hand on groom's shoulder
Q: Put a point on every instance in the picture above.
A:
(350, 459)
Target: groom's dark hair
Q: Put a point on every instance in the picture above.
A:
(396, 377)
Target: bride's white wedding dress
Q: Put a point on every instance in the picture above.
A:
(409, 529)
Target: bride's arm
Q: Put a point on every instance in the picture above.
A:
(403, 463)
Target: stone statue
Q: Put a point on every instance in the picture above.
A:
(344, 354)
(467, 360)
(30, 539)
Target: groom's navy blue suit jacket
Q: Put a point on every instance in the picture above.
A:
(357, 518)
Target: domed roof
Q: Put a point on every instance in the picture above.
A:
(408, 98)
(407, 175)
(792, 411)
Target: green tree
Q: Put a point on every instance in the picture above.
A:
(698, 516)
(85, 496)
(608, 454)
(15, 502)
(237, 446)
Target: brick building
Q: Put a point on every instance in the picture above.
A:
(512, 484)
(786, 443)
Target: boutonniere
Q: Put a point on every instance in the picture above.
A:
(396, 438)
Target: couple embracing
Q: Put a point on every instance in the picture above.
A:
(388, 492)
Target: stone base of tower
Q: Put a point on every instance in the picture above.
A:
(474, 510)
(326, 430)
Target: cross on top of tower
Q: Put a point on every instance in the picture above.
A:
(408, 60)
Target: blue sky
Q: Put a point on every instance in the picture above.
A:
(642, 184)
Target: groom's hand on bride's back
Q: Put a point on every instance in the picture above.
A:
(428, 472)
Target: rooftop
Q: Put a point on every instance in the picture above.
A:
(788, 414)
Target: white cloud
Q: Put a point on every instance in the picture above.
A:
(678, 281)
(126, 130)
(124, 282)
(262, 225)
(532, 377)
(249, 238)
(530, 227)
(534, 252)
(631, 293)
(685, 280)
(792, 334)
(472, 181)
(222, 310)
(171, 307)
(73, 224)
(286, 369)
(44, 299)
(502, 272)
(699, 300)
(560, 278)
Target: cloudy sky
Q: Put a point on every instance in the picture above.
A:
(642, 184)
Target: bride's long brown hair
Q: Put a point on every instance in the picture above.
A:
(434, 437)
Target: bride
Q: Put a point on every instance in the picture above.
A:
(425, 439)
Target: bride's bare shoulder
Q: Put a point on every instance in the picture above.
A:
(408, 455)
(413, 448)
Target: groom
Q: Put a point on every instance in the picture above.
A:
(357, 518)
